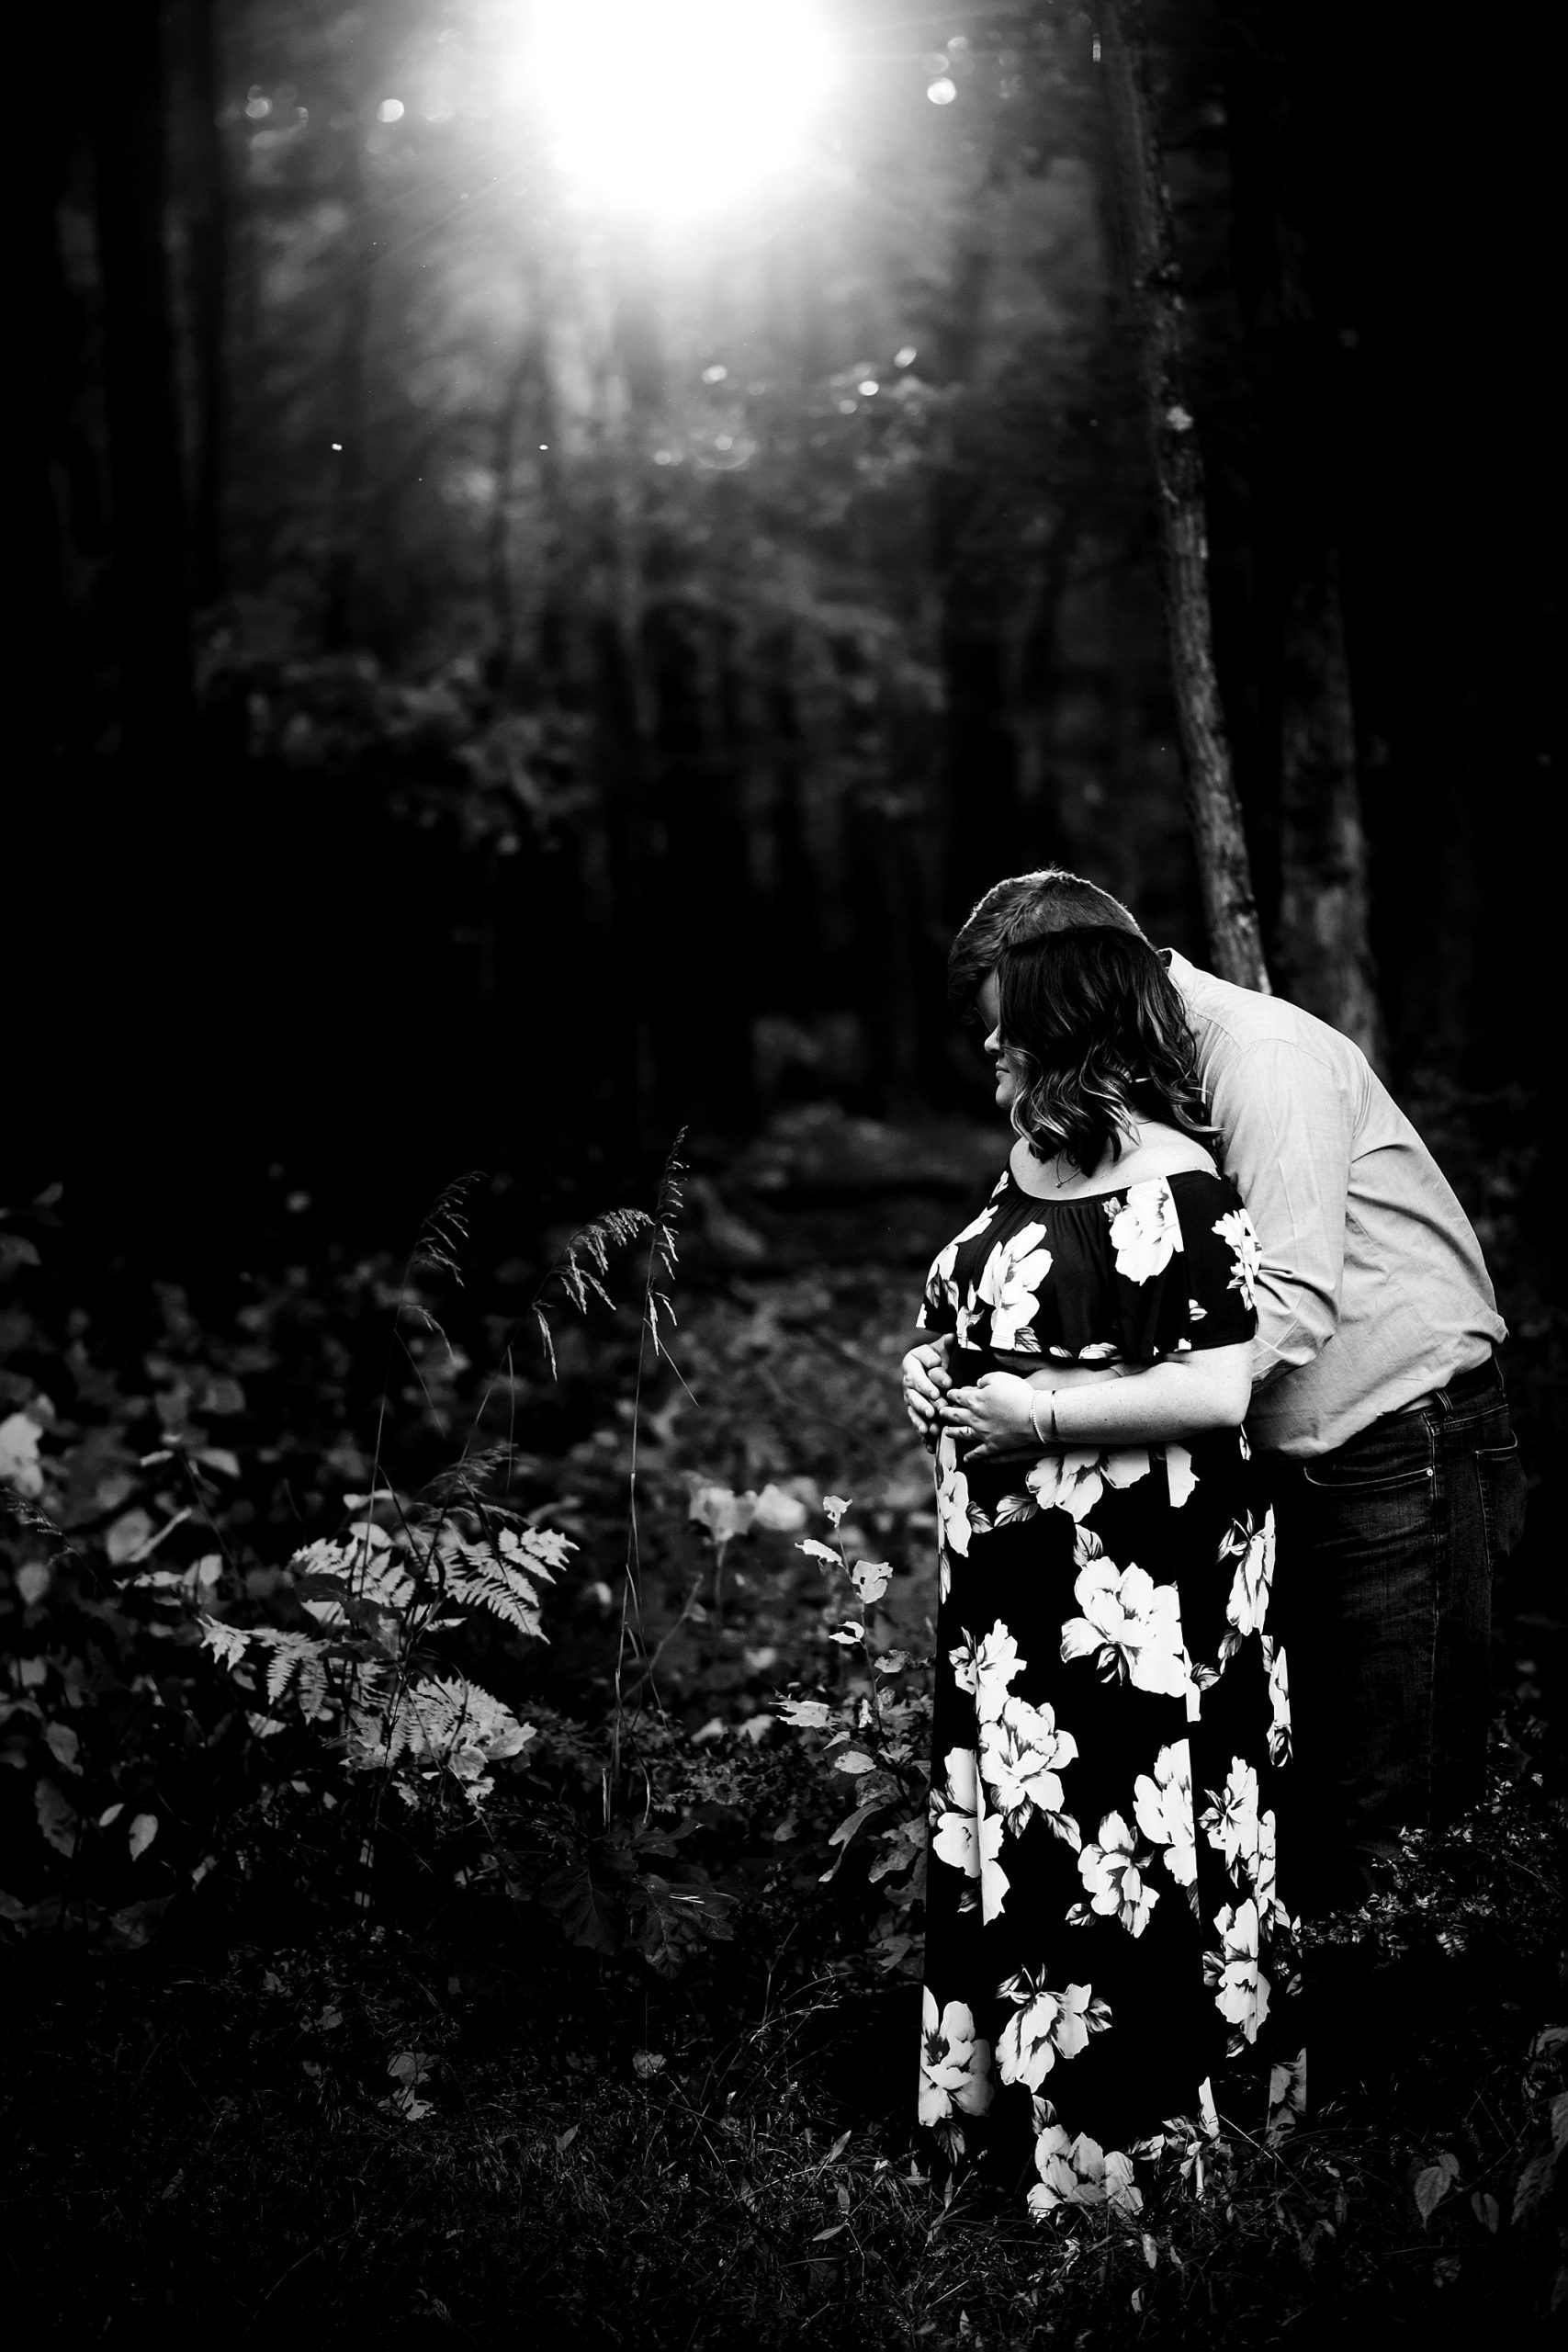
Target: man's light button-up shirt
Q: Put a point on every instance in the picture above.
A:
(1373, 1290)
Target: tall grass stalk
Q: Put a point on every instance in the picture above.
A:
(658, 1274)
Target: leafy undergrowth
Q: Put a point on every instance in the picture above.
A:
(576, 1999)
(458, 2137)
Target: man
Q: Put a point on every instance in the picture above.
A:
(1376, 1400)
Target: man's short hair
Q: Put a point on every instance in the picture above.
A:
(1023, 907)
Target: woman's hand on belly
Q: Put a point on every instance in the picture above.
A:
(992, 1416)
(996, 1420)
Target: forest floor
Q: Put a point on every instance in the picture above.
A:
(303, 2109)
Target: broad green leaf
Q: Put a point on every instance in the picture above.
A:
(778, 1513)
(130, 1928)
(585, 1909)
(56, 1818)
(846, 1830)
(63, 1744)
(724, 1514)
(143, 1830)
(127, 1536)
(1533, 2185)
(1432, 2185)
(806, 1715)
(19, 1465)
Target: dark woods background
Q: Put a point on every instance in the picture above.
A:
(503, 676)
(501, 684)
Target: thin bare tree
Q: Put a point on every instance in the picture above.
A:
(1143, 205)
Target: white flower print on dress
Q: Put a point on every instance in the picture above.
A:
(940, 1282)
(965, 1836)
(986, 1667)
(1248, 1605)
(1014, 1511)
(1079, 2172)
(1180, 1476)
(1130, 1626)
(952, 1511)
(1241, 1990)
(1074, 1480)
(1230, 1821)
(1022, 1756)
(1116, 1875)
(1045, 2026)
(1012, 1274)
(1145, 1232)
(1264, 1875)
(955, 2065)
(1162, 1806)
(1236, 1227)
(1279, 1700)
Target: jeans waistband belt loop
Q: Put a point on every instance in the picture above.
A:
(1457, 1391)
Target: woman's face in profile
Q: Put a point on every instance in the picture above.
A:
(1010, 1074)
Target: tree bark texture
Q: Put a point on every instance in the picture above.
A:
(1150, 246)
(1324, 959)
(1322, 952)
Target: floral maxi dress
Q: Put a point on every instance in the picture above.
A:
(1112, 1718)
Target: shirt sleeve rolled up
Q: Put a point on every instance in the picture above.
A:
(1288, 1130)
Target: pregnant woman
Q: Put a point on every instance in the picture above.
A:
(1112, 1719)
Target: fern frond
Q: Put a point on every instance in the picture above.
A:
(545, 1548)
(509, 1597)
(297, 1659)
(505, 1579)
(444, 1721)
(227, 1643)
(361, 1567)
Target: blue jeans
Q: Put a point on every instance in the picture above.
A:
(1383, 1600)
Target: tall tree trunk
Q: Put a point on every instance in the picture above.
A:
(1325, 963)
(1143, 206)
(146, 473)
(1321, 950)
(981, 762)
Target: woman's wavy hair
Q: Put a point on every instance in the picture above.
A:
(1098, 1023)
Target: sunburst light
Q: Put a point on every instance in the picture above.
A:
(677, 106)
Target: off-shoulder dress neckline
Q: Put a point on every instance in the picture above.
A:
(1088, 1200)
